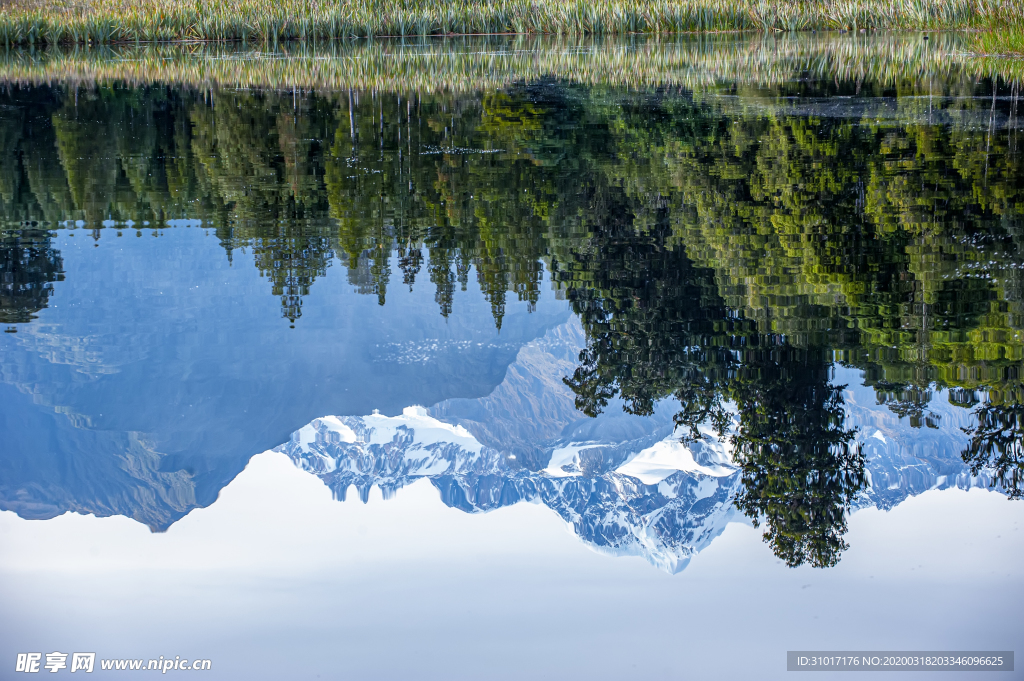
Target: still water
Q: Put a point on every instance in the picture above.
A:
(550, 378)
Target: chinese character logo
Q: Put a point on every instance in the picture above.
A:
(28, 662)
(55, 661)
(83, 662)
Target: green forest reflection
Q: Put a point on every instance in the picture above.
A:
(725, 248)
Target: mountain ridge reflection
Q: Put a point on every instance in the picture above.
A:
(625, 484)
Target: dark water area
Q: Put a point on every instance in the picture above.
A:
(658, 313)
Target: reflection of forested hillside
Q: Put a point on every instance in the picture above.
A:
(897, 244)
(710, 245)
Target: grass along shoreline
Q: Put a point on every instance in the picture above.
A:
(55, 22)
(473, 63)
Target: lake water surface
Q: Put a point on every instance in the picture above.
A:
(484, 360)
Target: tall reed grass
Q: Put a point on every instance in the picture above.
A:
(1002, 41)
(466, 63)
(48, 22)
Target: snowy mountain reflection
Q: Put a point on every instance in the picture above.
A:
(625, 483)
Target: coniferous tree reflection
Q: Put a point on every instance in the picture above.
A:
(28, 267)
(650, 315)
(997, 440)
(656, 327)
(801, 469)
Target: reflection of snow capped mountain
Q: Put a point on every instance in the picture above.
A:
(653, 464)
(625, 484)
(903, 461)
(665, 514)
(385, 451)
